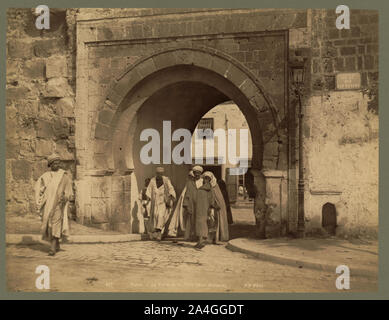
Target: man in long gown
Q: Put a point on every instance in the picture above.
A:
(53, 194)
(162, 195)
(205, 203)
(223, 189)
(180, 216)
(220, 230)
(184, 214)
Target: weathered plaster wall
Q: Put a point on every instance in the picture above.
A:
(342, 161)
(341, 132)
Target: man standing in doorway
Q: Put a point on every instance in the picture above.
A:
(145, 205)
(161, 194)
(53, 194)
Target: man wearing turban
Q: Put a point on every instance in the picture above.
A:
(53, 194)
(184, 214)
(161, 195)
(218, 228)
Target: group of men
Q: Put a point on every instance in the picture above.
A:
(201, 213)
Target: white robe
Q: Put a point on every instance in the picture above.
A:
(159, 213)
(48, 190)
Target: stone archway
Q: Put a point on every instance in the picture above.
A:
(217, 76)
(130, 90)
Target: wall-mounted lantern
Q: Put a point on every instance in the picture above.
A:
(297, 78)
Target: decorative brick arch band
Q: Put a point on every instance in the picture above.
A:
(114, 120)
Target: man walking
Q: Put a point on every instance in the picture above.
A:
(53, 192)
(161, 194)
(179, 218)
(206, 204)
(190, 203)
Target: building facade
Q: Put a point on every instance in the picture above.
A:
(87, 87)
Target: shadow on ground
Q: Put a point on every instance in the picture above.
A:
(242, 230)
(41, 247)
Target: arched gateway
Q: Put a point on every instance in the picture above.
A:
(180, 85)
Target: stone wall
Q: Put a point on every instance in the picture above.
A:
(341, 127)
(347, 50)
(39, 101)
(341, 133)
(107, 49)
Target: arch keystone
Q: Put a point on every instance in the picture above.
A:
(184, 56)
(201, 59)
(164, 60)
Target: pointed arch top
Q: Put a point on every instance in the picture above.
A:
(200, 56)
(112, 122)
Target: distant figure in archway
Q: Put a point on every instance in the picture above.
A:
(145, 205)
(161, 194)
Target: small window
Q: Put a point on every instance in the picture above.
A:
(202, 126)
(329, 218)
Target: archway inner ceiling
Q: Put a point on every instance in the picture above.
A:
(184, 104)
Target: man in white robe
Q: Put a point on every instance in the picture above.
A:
(53, 193)
(162, 195)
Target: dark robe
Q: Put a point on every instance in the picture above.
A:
(189, 206)
(222, 233)
(223, 189)
(205, 201)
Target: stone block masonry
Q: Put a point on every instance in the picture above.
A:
(40, 101)
(347, 50)
(46, 110)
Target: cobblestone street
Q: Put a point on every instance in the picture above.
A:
(145, 266)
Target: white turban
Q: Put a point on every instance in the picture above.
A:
(198, 169)
(211, 176)
(160, 170)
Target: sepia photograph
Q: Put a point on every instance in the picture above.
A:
(188, 150)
